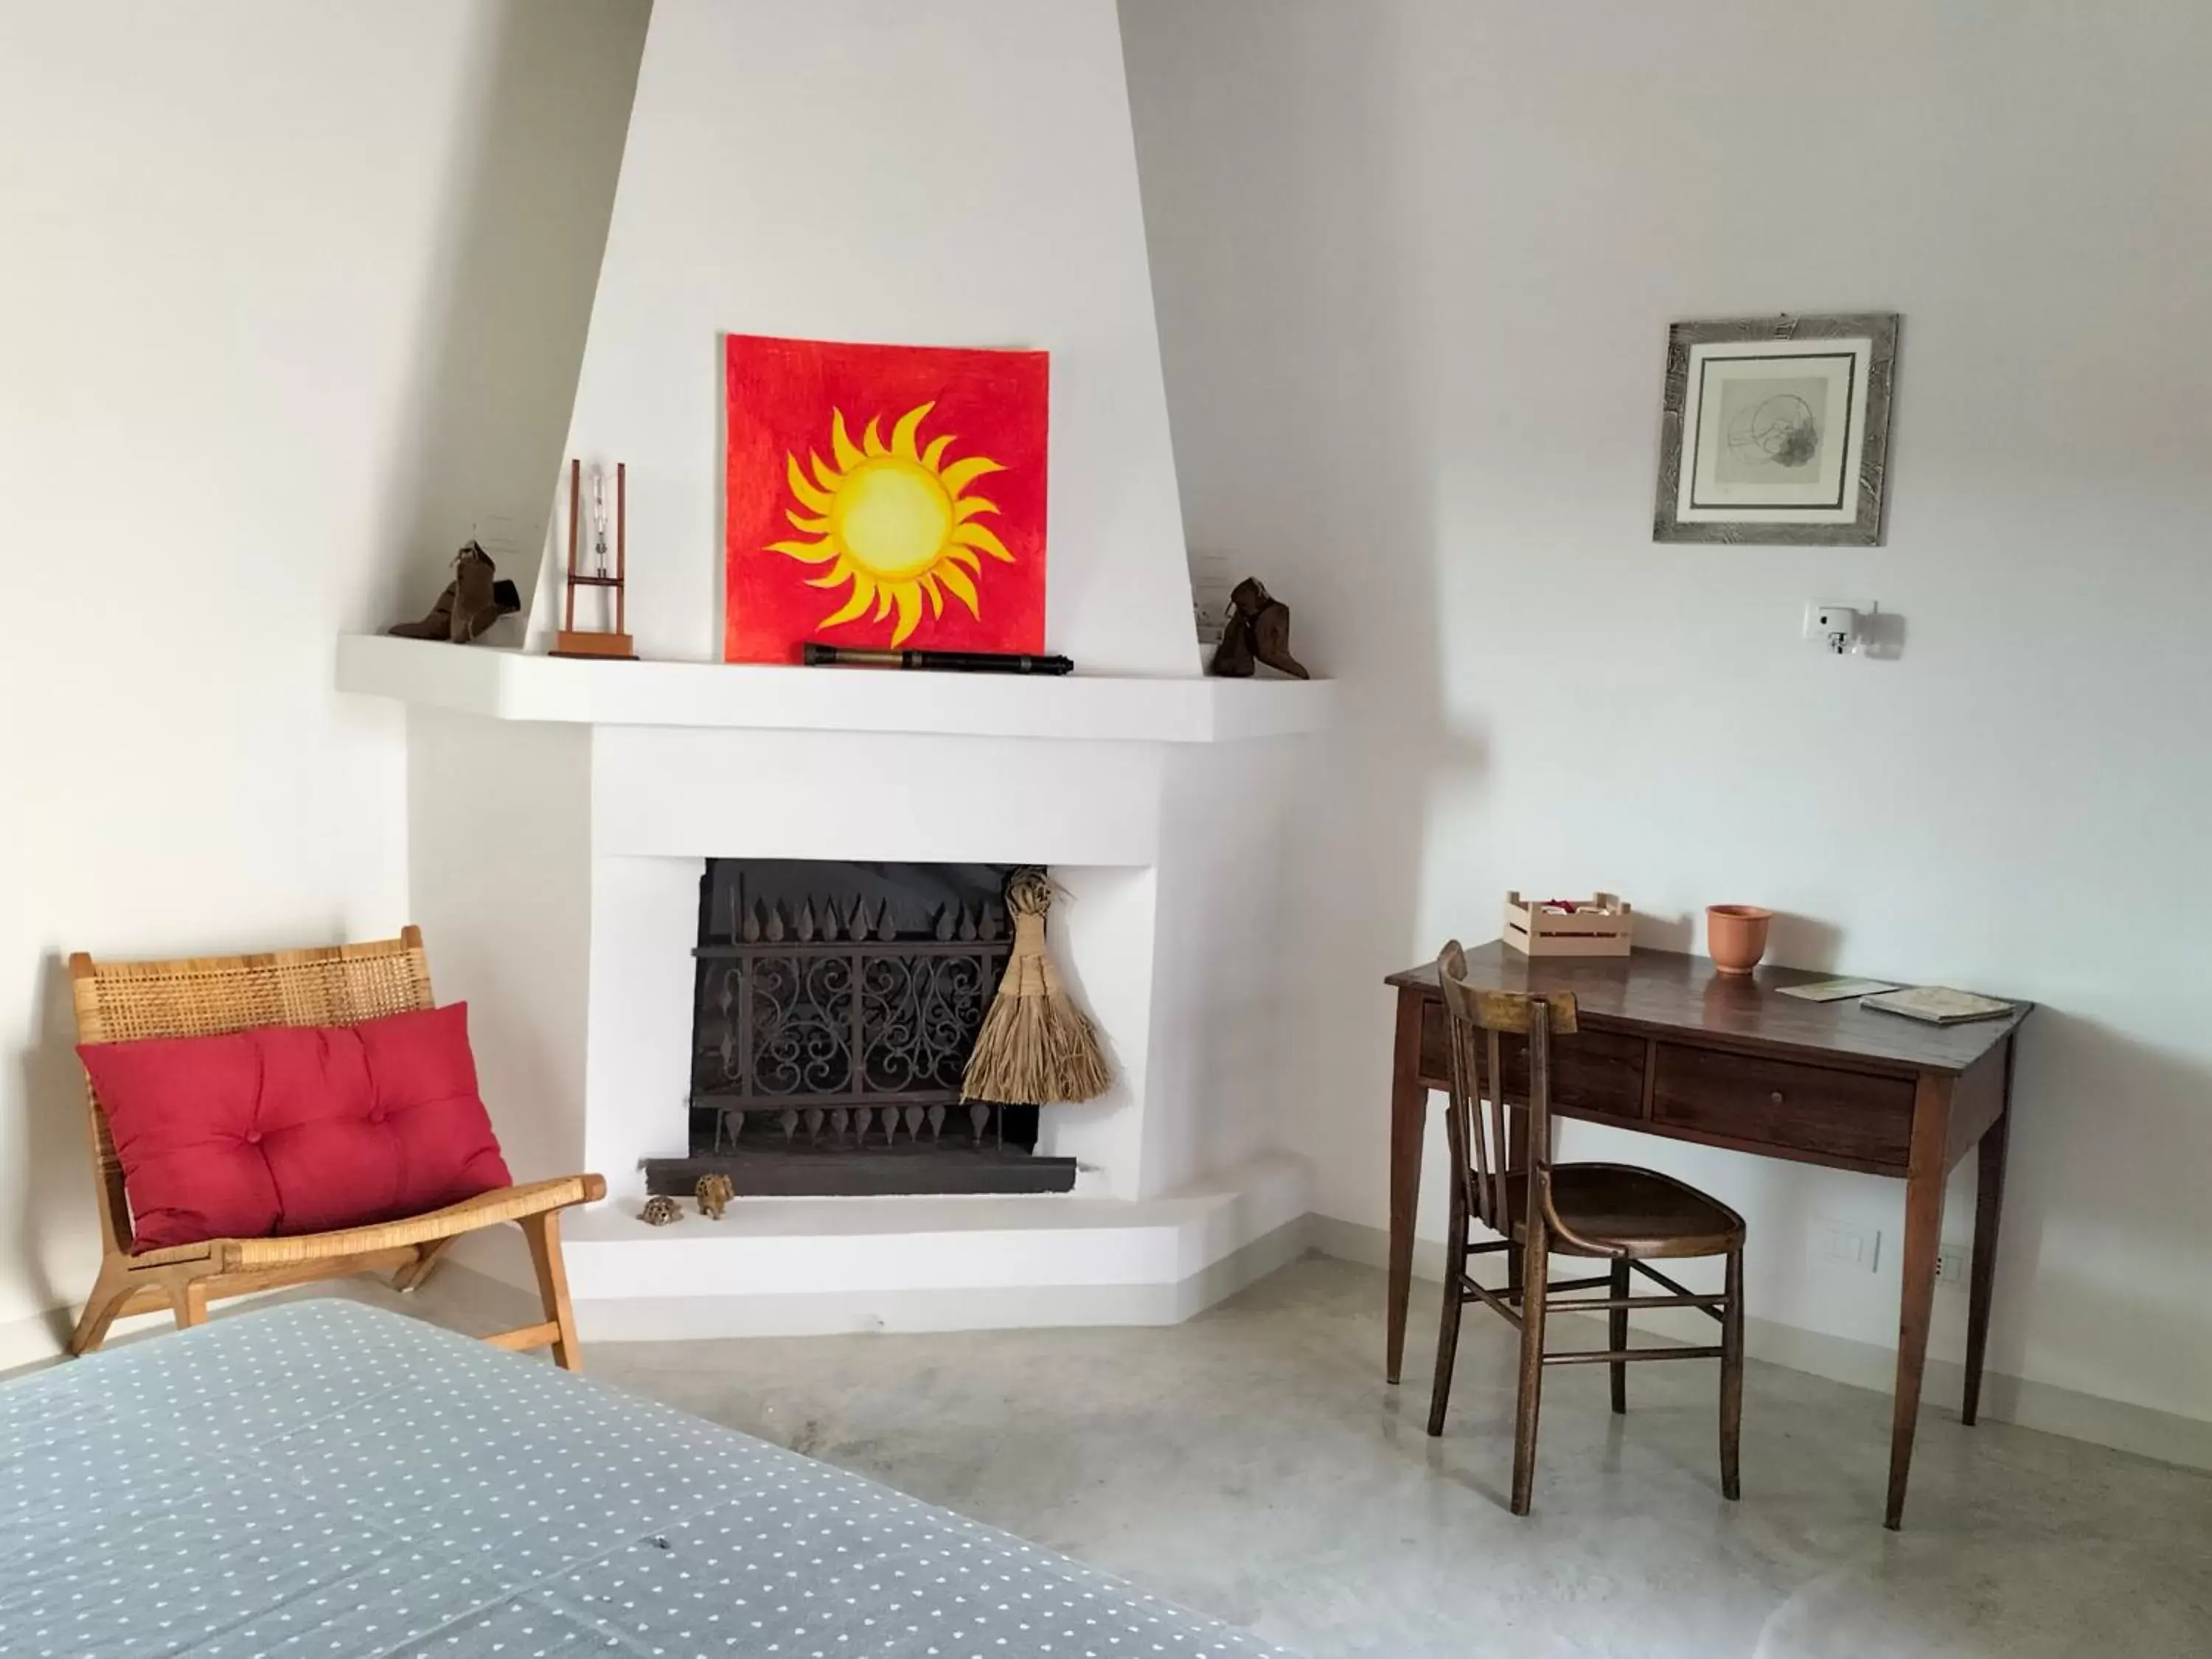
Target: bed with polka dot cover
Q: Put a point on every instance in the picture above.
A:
(326, 1480)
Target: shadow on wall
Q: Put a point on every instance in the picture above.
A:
(59, 1239)
(52, 1209)
(1291, 368)
(520, 235)
(1407, 777)
(1794, 940)
(2104, 1125)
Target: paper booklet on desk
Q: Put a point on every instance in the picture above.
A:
(1937, 1005)
(1835, 990)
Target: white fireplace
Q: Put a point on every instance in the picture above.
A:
(789, 169)
(555, 860)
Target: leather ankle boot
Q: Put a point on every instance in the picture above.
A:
(1259, 630)
(438, 625)
(471, 603)
(477, 599)
(1271, 638)
(1232, 657)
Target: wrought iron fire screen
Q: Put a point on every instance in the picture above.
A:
(837, 1004)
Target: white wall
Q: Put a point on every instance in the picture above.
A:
(1415, 265)
(291, 297)
(500, 879)
(958, 173)
(1223, 978)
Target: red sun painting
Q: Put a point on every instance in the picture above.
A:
(883, 496)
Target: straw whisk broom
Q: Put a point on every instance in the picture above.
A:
(1035, 1044)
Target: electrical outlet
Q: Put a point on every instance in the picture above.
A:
(1846, 1244)
(1951, 1264)
(1838, 628)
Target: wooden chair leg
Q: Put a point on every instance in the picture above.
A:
(190, 1298)
(410, 1277)
(1513, 1273)
(1448, 1330)
(1617, 1333)
(543, 1232)
(1732, 1375)
(1537, 1275)
(109, 1293)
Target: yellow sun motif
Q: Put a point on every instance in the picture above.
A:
(891, 521)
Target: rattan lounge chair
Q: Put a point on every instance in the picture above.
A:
(198, 996)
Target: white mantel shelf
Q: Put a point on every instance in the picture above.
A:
(498, 683)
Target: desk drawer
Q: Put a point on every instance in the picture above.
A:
(1593, 1072)
(1779, 1103)
(1598, 1072)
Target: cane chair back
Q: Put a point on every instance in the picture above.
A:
(207, 996)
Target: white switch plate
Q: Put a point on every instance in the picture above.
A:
(1847, 1244)
(1952, 1261)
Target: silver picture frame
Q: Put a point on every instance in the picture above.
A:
(1780, 434)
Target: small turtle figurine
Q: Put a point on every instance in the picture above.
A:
(660, 1211)
(714, 1193)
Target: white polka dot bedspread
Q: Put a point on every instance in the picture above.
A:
(326, 1480)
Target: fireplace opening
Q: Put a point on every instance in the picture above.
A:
(835, 1005)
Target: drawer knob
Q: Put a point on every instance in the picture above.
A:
(1775, 1099)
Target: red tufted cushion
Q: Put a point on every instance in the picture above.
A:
(296, 1129)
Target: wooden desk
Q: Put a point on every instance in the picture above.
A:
(1671, 1048)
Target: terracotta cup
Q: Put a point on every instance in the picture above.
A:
(1736, 936)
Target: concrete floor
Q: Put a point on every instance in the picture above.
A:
(1251, 1464)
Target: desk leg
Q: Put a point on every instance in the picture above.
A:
(1923, 1234)
(1409, 1111)
(1989, 1208)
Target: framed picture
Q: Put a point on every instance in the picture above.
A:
(1775, 430)
(882, 496)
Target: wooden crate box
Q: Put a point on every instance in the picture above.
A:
(1599, 927)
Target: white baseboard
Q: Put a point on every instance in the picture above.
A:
(465, 1295)
(817, 1267)
(34, 1343)
(966, 1307)
(868, 1265)
(26, 1344)
(456, 1295)
(2166, 1436)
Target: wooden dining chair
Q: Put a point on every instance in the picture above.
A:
(338, 985)
(1503, 1176)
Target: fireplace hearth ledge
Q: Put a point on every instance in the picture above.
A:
(815, 1267)
(497, 683)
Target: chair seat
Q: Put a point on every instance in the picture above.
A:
(484, 1210)
(1641, 1211)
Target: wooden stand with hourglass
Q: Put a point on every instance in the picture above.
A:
(587, 642)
